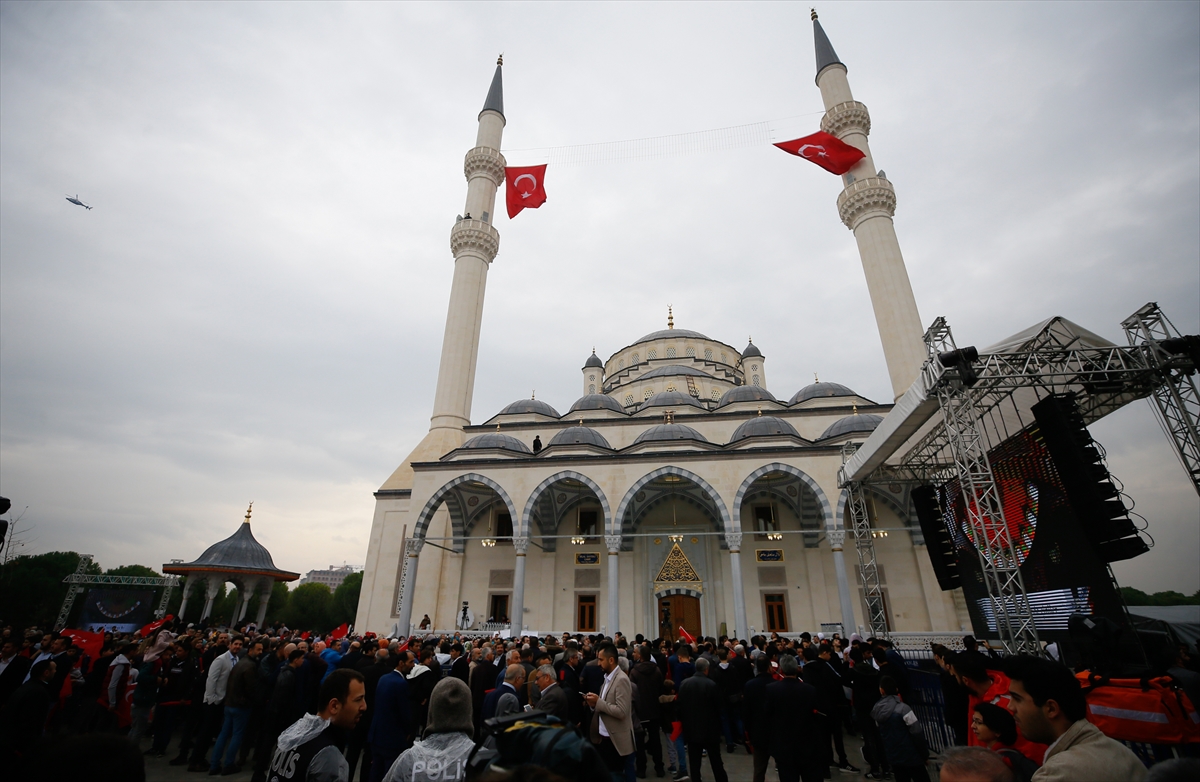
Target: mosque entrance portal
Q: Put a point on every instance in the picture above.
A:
(676, 611)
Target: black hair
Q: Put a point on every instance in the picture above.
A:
(762, 664)
(337, 686)
(607, 648)
(999, 720)
(1048, 680)
(971, 667)
(39, 668)
(888, 685)
(810, 654)
(296, 654)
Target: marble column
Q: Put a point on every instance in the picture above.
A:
(187, 588)
(517, 612)
(408, 581)
(734, 541)
(613, 542)
(837, 539)
(245, 592)
(212, 589)
(264, 598)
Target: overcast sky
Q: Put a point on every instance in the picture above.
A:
(254, 308)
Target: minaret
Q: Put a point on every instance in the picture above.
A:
(866, 206)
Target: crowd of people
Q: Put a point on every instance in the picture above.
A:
(295, 706)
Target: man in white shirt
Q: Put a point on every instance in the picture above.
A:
(214, 699)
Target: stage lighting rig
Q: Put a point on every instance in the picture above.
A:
(963, 360)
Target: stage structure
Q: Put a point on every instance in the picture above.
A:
(966, 403)
(240, 559)
(80, 579)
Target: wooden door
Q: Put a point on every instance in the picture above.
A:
(675, 611)
(586, 614)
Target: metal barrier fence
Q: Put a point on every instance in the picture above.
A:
(929, 704)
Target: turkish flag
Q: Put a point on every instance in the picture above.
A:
(525, 188)
(685, 635)
(828, 152)
(90, 643)
(150, 628)
(340, 631)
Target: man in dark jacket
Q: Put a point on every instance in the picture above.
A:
(865, 684)
(23, 718)
(282, 709)
(13, 668)
(421, 681)
(483, 678)
(391, 726)
(790, 708)
(648, 680)
(831, 702)
(460, 664)
(699, 709)
(240, 696)
(754, 711)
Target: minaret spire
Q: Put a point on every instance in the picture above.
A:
(866, 206)
(495, 96)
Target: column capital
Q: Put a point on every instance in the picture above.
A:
(413, 546)
(837, 538)
(845, 118)
(613, 542)
(734, 541)
(520, 545)
(864, 198)
(477, 236)
(484, 161)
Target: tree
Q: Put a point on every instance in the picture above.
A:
(32, 588)
(308, 608)
(345, 600)
(133, 571)
(1136, 597)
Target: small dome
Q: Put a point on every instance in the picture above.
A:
(751, 352)
(669, 432)
(580, 435)
(671, 370)
(671, 399)
(746, 394)
(815, 390)
(239, 550)
(861, 422)
(596, 402)
(763, 426)
(593, 361)
(530, 406)
(497, 440)
(670, 334)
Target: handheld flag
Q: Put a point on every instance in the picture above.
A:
(90, 643)
(828, 152)
(340, 631)
(525, 188)
(150, 628)
(685, 635)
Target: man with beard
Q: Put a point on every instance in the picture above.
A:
(310, 750)
(483, 678)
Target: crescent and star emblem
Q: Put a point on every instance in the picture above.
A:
(531, 178)
(820, 153)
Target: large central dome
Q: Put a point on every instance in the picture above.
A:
(670, 334)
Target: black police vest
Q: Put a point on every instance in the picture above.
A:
(292, 764)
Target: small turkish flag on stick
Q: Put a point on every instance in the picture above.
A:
(685, 635)
(828, 152)
(525, 188)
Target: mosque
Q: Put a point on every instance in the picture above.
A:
(677, 491)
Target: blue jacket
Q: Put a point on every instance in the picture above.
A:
(391, 725)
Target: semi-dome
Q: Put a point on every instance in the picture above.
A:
(751, 352)
(670, 334)
(670, 370)
(530, 406)
(671, 399)
(580, 435)
(815, 390)
(763, 426)
(746, 394)
(497, 440)
(596, 402)
(669, 432)
(859, 422)
(593, 361)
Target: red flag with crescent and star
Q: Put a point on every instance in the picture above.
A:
(828, 152)
(525, 188)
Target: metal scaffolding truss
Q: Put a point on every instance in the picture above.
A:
(80, 577)
(1176, 400)
(864, 544)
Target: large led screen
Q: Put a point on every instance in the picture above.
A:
(116, 610)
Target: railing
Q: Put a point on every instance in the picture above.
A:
(929, 704)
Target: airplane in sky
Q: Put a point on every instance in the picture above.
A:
(77, 202)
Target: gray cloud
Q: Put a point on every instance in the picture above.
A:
(255, 306)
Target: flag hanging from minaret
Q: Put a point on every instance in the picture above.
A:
(828, 152)
(525, 188)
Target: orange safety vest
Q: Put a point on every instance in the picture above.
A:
(1154, 711)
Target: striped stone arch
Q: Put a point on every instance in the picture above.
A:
(677, 590)
(844, 498)
(804, 477)
(456, 520)
(627, 527)
(535, 495)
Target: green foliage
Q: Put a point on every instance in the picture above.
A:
(345, 600)
(133, 571)
(309, 608)
(277, 605)
(1136, 597)
(32, 588)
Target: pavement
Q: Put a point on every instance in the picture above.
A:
(738, 765)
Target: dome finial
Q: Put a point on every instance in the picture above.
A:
(855, 409)
(670, 317)
(581, 422)
(760, 411)
(815, 378)
(813, 13)
(497, 426)
(533, 394)
(500, 59)
(248, 508)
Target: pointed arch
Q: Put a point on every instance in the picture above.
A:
(535, 495)
(796, 472)
(456, 520)
(627, 527)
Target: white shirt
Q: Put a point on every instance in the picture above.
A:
(607, 681)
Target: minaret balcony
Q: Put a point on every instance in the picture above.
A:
(846, 118)
(485, 161)
(864, 198)
(475, 235)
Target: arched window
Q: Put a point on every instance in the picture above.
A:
(636, 360)
(708, 354)
(690, 352)
(592, 388)
(756, 380)
(670, 352)
(651, 354)
(628, 400)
